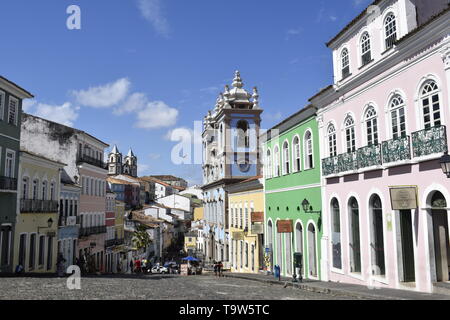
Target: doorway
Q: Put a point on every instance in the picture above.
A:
(312, 254)
(439, 217)
(355, 244)
(407, 246)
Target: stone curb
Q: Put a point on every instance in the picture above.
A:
(316, 289)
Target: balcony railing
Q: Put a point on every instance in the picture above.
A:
(114, 242)
(84, 232)
(92, 161)
(330, 166)
(7, 183)
(347, 162)
(369, 156)
(396, 150)
(429, 141)
(38, 206)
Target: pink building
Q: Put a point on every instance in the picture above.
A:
(383, 130)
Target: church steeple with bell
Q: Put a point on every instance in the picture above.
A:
(118, 165)
(130, 165)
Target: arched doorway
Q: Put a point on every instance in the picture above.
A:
(288, 250)
(270, 243)
(299, 244)
(336, 234)
(354, 236)
(376, 236)
(440, 236)
(280, 251)
(312, 253)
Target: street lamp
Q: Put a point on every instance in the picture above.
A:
(49, 225)
(445, 164)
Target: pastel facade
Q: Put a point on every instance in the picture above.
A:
(292, 178)
(383, 124)
(246, 244)
(37, 221)
(11, 97)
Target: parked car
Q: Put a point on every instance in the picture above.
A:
(160, 270)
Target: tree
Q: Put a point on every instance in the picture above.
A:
(141, 238)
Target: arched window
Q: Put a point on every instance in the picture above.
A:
(269, 164)
(355, 245)
(366, 55)
(350, 138)
(276, 161)
(25, 188)
(332, 141)
(345, 64)
(296, 155)
(299, 238)
(390, 26)
(44, 190)
(377, 241)
(35, 189)
(286, 158)
(336, 234)
(309, 161)
(243, 132)
(371, 126)
(398, 117)
(431, 105)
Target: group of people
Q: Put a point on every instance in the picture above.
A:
(139, 266)
(218, 268)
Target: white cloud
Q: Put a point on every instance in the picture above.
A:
(135, 102)
(151, 11)
(65, 114)
(155, 115)
(104, 96)
(28, 104)
(154, 156)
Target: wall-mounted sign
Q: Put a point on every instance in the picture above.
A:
(404, 198)
(184, 270)
(238, 235)
(257, 228)
(257, 217)
(284, 226)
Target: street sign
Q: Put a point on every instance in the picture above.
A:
(257, 217)
(257, 228)
(238, 235)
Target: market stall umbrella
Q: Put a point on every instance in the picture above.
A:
(190, 259)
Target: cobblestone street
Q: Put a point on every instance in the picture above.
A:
(153, 287)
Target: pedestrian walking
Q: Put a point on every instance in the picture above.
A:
(220, 268)
(215, 268)
(131, 266)
(60, 265)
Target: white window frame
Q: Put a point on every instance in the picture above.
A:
(286, 166)
(307, 152)
(332, 150)
(385, 34)
(296, 154)
(429, 96)
(343, 63)
(11, 98)
(269, 169)
(13, 162)
(276, 161)
(396, 109)
(370, 119)
(352, 128)
(2, 104)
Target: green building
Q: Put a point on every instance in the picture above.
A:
(293, 194)
(11, 96)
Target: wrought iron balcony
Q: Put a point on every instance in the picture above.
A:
(38, 206)
(429, 141)
(7, 183)
(347, 162)
(91, 161)
(396, 150)
(330, 166)
(84, 232)
(369, 156)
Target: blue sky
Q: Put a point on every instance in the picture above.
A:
(139, 69)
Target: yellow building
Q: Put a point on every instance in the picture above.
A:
(35, 236)
(246, 217)
(198, 214)
(190, 242)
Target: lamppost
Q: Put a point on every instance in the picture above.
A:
(445, 164)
